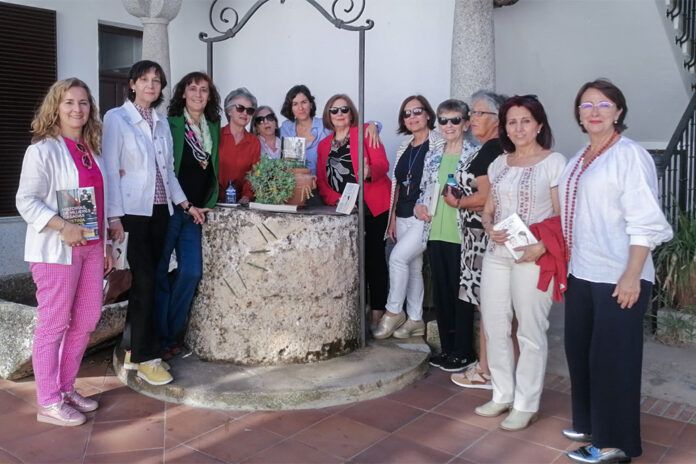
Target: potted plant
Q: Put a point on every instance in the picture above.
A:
(273, 182)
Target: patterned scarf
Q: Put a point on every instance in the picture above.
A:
(199, 139)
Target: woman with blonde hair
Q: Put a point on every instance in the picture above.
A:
(67, 260)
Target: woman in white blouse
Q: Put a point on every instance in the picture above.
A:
(611, 220)
(523, 181)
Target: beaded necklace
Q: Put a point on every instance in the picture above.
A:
(571, 197)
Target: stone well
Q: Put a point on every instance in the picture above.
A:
(276, 287)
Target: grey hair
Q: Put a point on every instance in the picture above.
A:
(492, 99)
(236, 93)
(453, 104)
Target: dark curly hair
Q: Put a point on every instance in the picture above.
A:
(286, 110)
(141, 68)
(178, 103)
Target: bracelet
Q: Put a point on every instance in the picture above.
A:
(190, 205)
(114, 220)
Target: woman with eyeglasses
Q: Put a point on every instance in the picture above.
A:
(438, 205)
(417, 120)
(612, 219)
(523, 181)
(194, 120)
(67, 260)
(265, 127)
(138, 150)
(337, 165)
(239, 149)
(484, 127)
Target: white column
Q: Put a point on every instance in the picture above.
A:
(155, 16)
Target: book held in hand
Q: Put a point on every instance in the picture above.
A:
(518, 234)
(294, 148)
(348, 199)
(79, 206)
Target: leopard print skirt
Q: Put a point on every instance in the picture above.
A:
(474, 242)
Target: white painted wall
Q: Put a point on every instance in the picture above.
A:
(551, 47)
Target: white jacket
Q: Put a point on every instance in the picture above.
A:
(129, 151)
(47, 167)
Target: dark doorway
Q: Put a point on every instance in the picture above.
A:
(119, 48)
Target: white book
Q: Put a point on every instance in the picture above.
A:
(294, 148)
(119, 251)
(518, 234)
(348, 199)
(434, 198)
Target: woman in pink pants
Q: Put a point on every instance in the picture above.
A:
(67, 260)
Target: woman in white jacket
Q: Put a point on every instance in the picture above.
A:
(66, 260)
(138, 151)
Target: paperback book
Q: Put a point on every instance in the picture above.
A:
(294, 148)
(79, 206)
(518, 234)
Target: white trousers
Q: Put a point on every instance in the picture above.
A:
(506, 285)
(406, 269)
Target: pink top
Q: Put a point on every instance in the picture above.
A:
(89, 177)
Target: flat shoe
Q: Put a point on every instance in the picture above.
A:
(571, 434)
(518, 420)
(409, 329)
(590, 454)
(492, 409)
(388, 324)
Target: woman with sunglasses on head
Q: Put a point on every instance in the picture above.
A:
(337, 165)
(474, 177)
(66, 265)
(265, 127)
(524, 180)
(194, 120)
(239, 149)
(455, 319)
(417, 120)
(137, 148)
(612, 219)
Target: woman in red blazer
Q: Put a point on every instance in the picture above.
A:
(337, 165)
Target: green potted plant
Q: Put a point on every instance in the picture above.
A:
(273, 182)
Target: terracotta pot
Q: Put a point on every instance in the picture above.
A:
(305, 182)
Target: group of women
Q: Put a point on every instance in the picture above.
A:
(595, 219)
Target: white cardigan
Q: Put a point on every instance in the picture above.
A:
(129, 149)
(47, 167)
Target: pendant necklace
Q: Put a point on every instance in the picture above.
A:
(411, 159)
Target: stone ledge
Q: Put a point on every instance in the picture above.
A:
(381, 368)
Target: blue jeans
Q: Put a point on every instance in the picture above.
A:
(174, 296)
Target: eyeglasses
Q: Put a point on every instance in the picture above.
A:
(457, 120)
(602, 106)
(261, 119)
(478, 114)
(250, 110)
(336, 109)
(86, 159)
(413, 112)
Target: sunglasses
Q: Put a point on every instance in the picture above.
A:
(86, 158)
(261, 119)
(457, 120)
(413, 112)
(250, 110)
(336, 109)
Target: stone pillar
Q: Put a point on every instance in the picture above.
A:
(155, 16)
(473, 48)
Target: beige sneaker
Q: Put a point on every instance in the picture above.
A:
(492, 409)
(388, 324)
(131, 366)
(409, 329)
(473, 378)
(154, 373)
(60, 413)
(518, 420)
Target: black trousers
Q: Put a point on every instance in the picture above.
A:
(604, 348)
(145, 244)
(455, 318)
(376, 271)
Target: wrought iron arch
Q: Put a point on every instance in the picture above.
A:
(334, 16)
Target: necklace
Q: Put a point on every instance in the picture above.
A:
(571, 195)
(411, 160)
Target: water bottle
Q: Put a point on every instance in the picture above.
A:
(450, 181)
(230, 194)
(452, 186)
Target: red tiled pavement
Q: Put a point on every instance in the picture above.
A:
(429, 421)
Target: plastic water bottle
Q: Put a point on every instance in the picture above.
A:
(451, 182)
(230, 194)
(453, 187)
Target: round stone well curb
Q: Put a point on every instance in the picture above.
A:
(380, 368)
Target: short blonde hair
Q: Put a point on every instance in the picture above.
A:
(46, 121)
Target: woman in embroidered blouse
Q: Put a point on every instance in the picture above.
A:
(137, 149)
(523, 181)
(337, 165)
(611, 221)
(67, 265)
(455, 320)
(416, 119)
(265, 127)
(239, 149)
(194, 120)
(484, 127)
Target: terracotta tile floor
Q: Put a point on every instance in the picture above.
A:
(430, 421)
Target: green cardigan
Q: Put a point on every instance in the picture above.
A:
(177, 124)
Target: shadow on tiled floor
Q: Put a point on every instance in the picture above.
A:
(429, 421)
